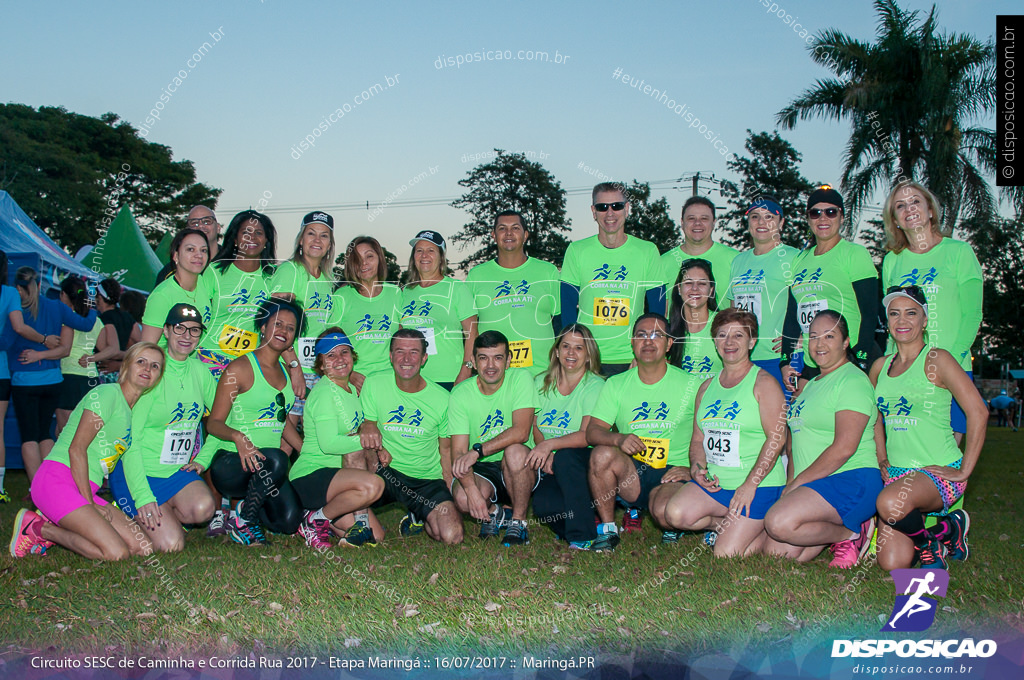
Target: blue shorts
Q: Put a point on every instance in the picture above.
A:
(163, 488)
(957, 417)
(764, 498)
(852, 493)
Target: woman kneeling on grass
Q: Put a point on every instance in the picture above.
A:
(64, 488)
(923, 470)
(332, 417)
(247, 425)
(830, 499)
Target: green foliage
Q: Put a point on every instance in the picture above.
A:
(650, 220)
(769, 170)
(999, 245)
(511, 182)
(71, 172)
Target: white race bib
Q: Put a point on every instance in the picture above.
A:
(750, 302)
(307, 352)
(428, 333)
(179, 447)
(806, 311)
(722, 447)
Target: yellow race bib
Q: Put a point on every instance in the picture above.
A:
(611, 311)
(656, 454)
(110, 462)
(236, 341)
(521, 352)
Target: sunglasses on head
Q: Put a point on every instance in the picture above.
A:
(603, 207)
(816, 212)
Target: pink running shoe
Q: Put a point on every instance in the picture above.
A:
(27, 539)
(317, 532)
(863, 542)
(844, 555)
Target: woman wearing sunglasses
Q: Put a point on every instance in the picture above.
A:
(247, 425)
(947, 270)
(834, 274)
(922, 467)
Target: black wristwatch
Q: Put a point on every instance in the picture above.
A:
(479, 448)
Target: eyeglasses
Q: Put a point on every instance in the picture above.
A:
(603, 207)
(653, 335)
(182, 329)
(816, 212)
(205, 221)
(279, 400)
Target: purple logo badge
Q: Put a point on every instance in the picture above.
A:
(915, 605)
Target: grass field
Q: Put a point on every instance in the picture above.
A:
(412, 595)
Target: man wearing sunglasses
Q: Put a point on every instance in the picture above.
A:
(698, 224)
(607, 278)
(202, 218)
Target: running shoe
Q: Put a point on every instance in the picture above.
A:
(580, 545)
(710, 537)
(632, 521)
(4, 498)
(604, 542)
(866, 539)
(26, 538)
(246, 533)
(932, 554)
(410, 526)
(670, 536)
(317, 532)
(955, 540)
(358, 535)
(217, 526)
(498, 519)
(844, 555)
(516, 534)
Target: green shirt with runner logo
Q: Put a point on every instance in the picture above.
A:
(111, 440)
(812, 417)
(560, 414)
(760, 284)
(730, 423)
(314, 297)
(166, 423)
(170, 293)
(700, 357)
(410, 423)
(236, 297)
(484, 417)
(660, 414)
(826, 282)
(259, 412)
(438, 312)
(520, 302)
(719, 255)
(612, 283)
(83, 344)
(916, 412)
(950, 276)
(331, 421)
(369, 323)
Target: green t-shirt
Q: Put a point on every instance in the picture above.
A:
(315, 299)
(111, 440)
(826, 282)
(699, 354)
(950, 276)
(520, 303)
(719, 255)
(733, 436)
(812, 417)
(236, 297)
(410, 424)
(168, 294)
(166, 425)
(369, 323)
(438, 311)
(83, 344)
(660, 414)
(558, 414)
(916, 413)
(760, 284)
(484, 417)
(331, 420)
(612, 284)
(258, 412)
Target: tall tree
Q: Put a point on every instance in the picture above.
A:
(72, 173)
(770, 169)
(650, 220)
(511, 182)
(913, 98)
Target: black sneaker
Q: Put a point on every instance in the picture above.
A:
(931, 554)
(493, 523)
(410, 526)
(516, 534)
(955, 541)
(249, 533)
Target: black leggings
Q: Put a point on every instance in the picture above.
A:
(34, 406)
(268, 497)
(562, 501)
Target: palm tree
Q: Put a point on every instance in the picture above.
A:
(912, 98)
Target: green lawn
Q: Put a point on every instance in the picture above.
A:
(412, 595)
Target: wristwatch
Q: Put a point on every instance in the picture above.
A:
(479, 448)
(468, 364)
(294, 363)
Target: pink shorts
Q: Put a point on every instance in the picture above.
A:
(55, 493)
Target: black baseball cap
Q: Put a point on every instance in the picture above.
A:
(318, 217)
(432, 237)
(825, 194)
(182, 312)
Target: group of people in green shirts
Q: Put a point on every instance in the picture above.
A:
(739, 396)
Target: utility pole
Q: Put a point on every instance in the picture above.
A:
(696, 179)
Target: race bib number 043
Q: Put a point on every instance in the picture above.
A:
(722, 447)
(611, 311)
(656, 454)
